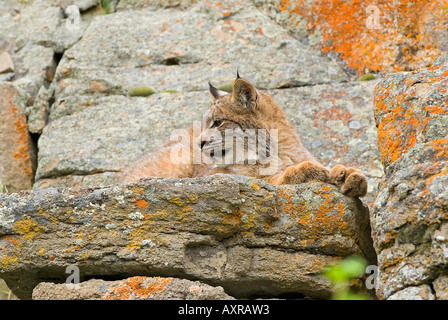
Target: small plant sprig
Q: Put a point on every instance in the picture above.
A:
(106, 6)
(3, 188)
(5, 291)
(341, 275)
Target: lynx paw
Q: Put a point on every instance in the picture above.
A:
(304, 172)
(352, 181)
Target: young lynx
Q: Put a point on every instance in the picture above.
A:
(273, 150)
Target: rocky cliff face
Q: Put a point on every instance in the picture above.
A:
(70, 119)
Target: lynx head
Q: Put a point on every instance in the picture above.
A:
(236, 127)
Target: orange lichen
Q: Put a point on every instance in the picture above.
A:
(186, 211)
(401, 117)
(134, 287)
(234, 218)
(328, 217)
(141, 203)
(380, 36)
(393, 263)
(22, 155)
(440, 145)
(334, 113)
(436, 175)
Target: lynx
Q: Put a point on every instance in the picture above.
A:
(224, 129)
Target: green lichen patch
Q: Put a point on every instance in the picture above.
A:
(367, 77)
(226, 87)
(142, 91)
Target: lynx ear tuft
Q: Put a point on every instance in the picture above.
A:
(245, 93)
(215, 92)
(237, 75)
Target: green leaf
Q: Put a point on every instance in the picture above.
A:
(349, 268)
(226, 87)
(106, 6)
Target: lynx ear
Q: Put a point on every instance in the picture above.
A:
(245, 93)
(215, 92)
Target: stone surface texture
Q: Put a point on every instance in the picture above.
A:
(133, 288)
(16, 157)
(409, 216)
(380, 36)
(68, 126)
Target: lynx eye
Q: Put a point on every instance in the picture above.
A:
(217, 123)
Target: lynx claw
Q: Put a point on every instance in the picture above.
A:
(337, 175)
(352, 182)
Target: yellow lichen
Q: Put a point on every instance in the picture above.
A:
(8, 261)
(255, 186)
(28, 228)
(176, 200)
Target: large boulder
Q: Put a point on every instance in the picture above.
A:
(183, 49)
(250, 237)
(409, 216)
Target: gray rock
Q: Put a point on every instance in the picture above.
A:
(35, 67)
(409, 214)
(47, 25)
(243, 234)
(157, 49)
(38, 24)
(82, 5)
(441, 287)
(6, 76)
(108, 133)
(81, 181)
(154, 4)
(6, 63)
(414, 293)
(17, 157)
(38, 113)
(134, 288)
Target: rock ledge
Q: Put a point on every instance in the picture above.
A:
(250, 237)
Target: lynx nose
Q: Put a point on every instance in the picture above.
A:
(201, 144)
